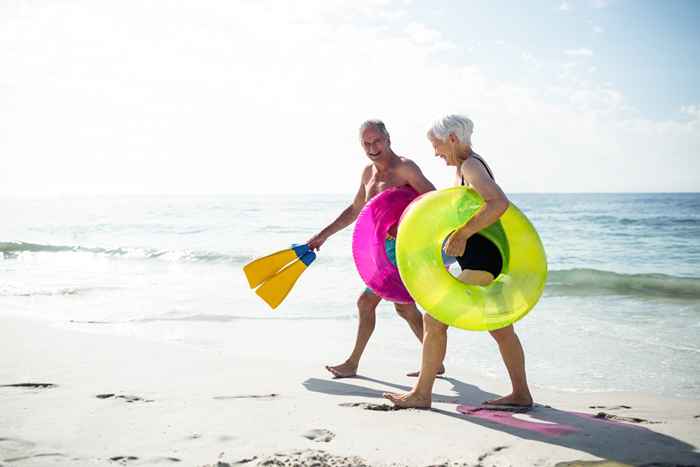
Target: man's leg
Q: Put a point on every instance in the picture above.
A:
(434, 346)
(514, 358)
(409, 312)
(366, 306)
(413, 317)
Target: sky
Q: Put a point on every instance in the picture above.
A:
(260, 96)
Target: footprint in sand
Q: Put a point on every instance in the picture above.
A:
(308, 457)
(24, 458)
(29, 385)
(164, 459)
(220, 438)
(123, 459)
(239, 462)
(16, 449)
(125, 397)
(15, 444)
(370, 406)
(617, 407)
(320, 435)
(617, 418)
(248, 396)
(491, 452)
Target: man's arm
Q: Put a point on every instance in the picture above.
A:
(495, 204)
(345, 218)
(414, 176)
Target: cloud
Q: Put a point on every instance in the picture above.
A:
(579, 52)
(692, 110)
(528, 58)
(564, 6)
(424, 35)
(239, 96)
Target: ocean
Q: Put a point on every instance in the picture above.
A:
(621, 310)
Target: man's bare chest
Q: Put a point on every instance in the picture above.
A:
(381, 182)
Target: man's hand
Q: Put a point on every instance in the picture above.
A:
(316, 241)
(456, 244)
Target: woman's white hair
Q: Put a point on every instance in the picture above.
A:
(460, 125)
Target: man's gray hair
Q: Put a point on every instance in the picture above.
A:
(377, 125)
(460, 125)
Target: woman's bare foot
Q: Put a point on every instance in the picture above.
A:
(520, 400)
(344, 370)
(409, 400)
(441, 371)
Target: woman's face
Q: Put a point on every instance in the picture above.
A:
(444, 150)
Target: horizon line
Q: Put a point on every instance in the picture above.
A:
(141, 194)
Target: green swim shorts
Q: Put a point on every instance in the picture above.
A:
(390, 247)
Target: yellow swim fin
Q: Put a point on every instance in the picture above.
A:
(275, 289)
(261, 269)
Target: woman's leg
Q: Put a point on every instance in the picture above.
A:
(434, 346)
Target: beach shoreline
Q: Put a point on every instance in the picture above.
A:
(73, 394)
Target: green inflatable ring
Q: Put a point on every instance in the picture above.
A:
(424, 226)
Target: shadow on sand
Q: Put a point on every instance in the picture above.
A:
(613, 440)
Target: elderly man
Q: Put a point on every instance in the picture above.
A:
(386, 170)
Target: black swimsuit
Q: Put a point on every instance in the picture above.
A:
(481, 254)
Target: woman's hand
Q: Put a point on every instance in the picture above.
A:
(456, 244)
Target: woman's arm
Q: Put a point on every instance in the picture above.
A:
(495, 204)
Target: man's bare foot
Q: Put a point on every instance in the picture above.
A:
(441, 371)
(519, 400)
(344, 370)
(409, 400)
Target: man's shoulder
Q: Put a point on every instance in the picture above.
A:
(411, 174)
(407, 164)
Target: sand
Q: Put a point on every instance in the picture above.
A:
(91, 394)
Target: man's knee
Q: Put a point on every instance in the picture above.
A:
(366, 304)
(407, 311)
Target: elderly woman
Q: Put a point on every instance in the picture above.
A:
(480, 261)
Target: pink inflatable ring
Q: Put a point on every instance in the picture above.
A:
(376, 223)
